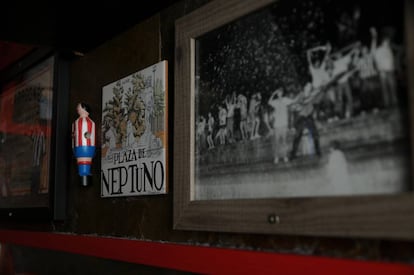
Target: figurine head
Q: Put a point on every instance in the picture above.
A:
(83, 109)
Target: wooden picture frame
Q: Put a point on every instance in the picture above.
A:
(34, 137)
(359, 215)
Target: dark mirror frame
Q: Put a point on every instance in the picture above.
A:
(54, 206)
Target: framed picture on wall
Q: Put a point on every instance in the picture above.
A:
(33, 118)
(293, 117)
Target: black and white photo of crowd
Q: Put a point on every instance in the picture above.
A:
(301, 83)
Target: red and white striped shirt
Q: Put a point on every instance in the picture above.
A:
(83, 132)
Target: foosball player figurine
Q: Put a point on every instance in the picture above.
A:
(83, 142)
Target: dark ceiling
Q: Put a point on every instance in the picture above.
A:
(72, 25)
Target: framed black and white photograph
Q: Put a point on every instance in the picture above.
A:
(293, 107)
(316, 87)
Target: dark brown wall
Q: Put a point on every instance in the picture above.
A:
(150, 217)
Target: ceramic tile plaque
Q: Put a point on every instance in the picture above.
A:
(134, 133)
